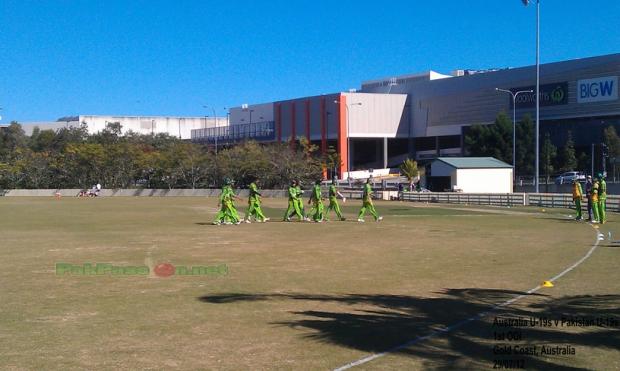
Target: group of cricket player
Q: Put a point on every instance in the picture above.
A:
(596, 194)
(318, 213)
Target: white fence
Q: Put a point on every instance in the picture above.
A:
(492, 199)
(552, 200)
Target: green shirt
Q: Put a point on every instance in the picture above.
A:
(292, 193)
(367, 192)
(603, 189)
(595, 192)
(223, 193)
(230, 194)
(316, 193)
(332, 191)
(299, 192)
(254, 194)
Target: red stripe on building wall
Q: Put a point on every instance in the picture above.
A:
(323, 130)
(343, 148)
(308, 119)
(293, 125)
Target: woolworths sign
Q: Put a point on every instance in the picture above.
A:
(550, 95)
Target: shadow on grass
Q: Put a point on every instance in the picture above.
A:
(376, 323)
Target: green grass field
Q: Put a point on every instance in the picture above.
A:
(300, 295)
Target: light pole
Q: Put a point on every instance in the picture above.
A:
(215, 118)
(514, 128)
(526, 2)
(348, 136)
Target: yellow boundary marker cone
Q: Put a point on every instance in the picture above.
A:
(547, 284)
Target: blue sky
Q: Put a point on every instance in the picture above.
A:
(173, 57)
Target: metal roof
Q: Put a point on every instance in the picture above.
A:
(474, 162)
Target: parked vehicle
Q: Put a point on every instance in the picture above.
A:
(569, 176)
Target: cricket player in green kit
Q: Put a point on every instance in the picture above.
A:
(221, 215)
(230, 204)
(577, 195)
(367, 204)
(293, 203)
(254, 208)
(333, 202)
(602, 197)
(300, 201)
(228, 213)
(316, 198)
(595, 202)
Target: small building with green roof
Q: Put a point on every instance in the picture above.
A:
(470, 175)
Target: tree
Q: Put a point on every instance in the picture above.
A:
(290, 164)
(583, 161)
(567, 159)
(526, 156)
(332, 161)
(494, 140)
(111, 134)
(612, 141)
(15, 168)
(72, 158)
(81, 164)
(68, 135)
(409, 168)
(11, 138)
(42, 140)
(548, 154)
(182, 165)
(36, 168)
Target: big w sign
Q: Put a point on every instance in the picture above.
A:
(597, 90)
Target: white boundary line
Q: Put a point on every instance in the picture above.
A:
(480, 315)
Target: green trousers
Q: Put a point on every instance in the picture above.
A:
(254, 210)
(317, 211)
(602, 214)
(578, 207)
(293, 208)
(371, 208)
(595, 213)
(333, 205)
(227, 213)
(233, 212)
(221, 216)
(300, 207)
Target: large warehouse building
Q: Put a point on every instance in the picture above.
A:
(181, 127)
(425, 115)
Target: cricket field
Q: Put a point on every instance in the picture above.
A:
(149, 283)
